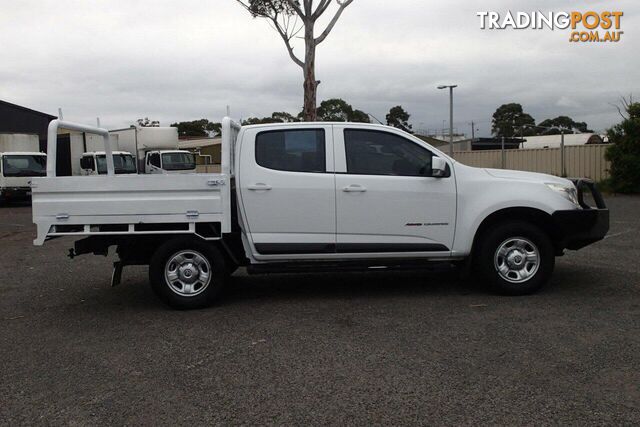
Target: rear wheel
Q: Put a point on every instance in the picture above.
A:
(187, 273)
(515, 258)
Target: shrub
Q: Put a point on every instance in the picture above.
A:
(624, 154)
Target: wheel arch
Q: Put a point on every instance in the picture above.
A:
(530, 215)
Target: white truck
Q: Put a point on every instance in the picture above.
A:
(312, 196)
(20, 161)
(156, 149)
(95, 163)
(88, 157)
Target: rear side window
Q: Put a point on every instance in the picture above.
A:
(292, 150)
(382, 153)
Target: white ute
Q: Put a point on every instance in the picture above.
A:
(307, 196)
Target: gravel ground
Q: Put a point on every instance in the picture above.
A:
(331, 348)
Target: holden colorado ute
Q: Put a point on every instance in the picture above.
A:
(307, 196)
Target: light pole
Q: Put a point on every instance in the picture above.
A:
(450, 87)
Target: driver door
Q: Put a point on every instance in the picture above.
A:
(387, 201)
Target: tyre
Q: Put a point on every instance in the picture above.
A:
(515, 258)
(187, 273)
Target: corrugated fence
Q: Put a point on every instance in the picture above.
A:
(585, 161)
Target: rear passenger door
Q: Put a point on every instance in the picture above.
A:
(287, 188)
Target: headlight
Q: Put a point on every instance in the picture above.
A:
(569, 192)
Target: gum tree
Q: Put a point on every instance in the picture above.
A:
(297, 18)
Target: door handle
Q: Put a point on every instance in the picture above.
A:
(259, 187)
(354, 188)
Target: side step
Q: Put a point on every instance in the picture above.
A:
(352, 265)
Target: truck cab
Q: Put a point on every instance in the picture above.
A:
(16, 172)
(169, 162)
(95, 163)
(318, 196)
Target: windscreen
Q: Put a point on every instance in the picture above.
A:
(123, 164)
(178, 161)
(24, 165)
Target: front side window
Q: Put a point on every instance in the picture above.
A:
(381, 153)
(24, 165)
(86, 162)
(178, 161)
(122, 163)
(154, 159)
(292, 150)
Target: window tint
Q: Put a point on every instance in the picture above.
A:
(292, 150)
(122, 164)
(382, 153)
(24, 165)
(178, 161)
(154, 159)
(86, 162)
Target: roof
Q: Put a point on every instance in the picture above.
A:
(23, 153)
(88, 153)
(495, 143)
(199, 143)
(554, 141)
(296, 124)
(20, 107)
(433, 141)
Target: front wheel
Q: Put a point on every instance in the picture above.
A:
(187, 273)
(515, 258)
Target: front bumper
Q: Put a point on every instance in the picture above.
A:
(581, 227)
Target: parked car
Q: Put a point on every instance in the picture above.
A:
(312, 196)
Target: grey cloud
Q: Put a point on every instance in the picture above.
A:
(189, 59)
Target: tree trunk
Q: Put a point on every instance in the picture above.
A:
(310, 83)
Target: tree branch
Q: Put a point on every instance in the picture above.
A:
(307, 7)
(297, 9)
(273, 16)
(287, 41)
(322, 7)
(343, 5)
(619, 111)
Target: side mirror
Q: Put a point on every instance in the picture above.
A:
(438, 167)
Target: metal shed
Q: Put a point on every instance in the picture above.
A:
(17, 119)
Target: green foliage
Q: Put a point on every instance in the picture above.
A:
(284, 117)
(146, 123)
(259, 121)
(624, 154)
(268, 8)
(509, 119)
(338, 110)
(200, 127)
(276, 117)
(561, 123)
(399, 118)
(359, 116)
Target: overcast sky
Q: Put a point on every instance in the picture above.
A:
(182, 60)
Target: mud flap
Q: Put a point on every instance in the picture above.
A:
(116, 275)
